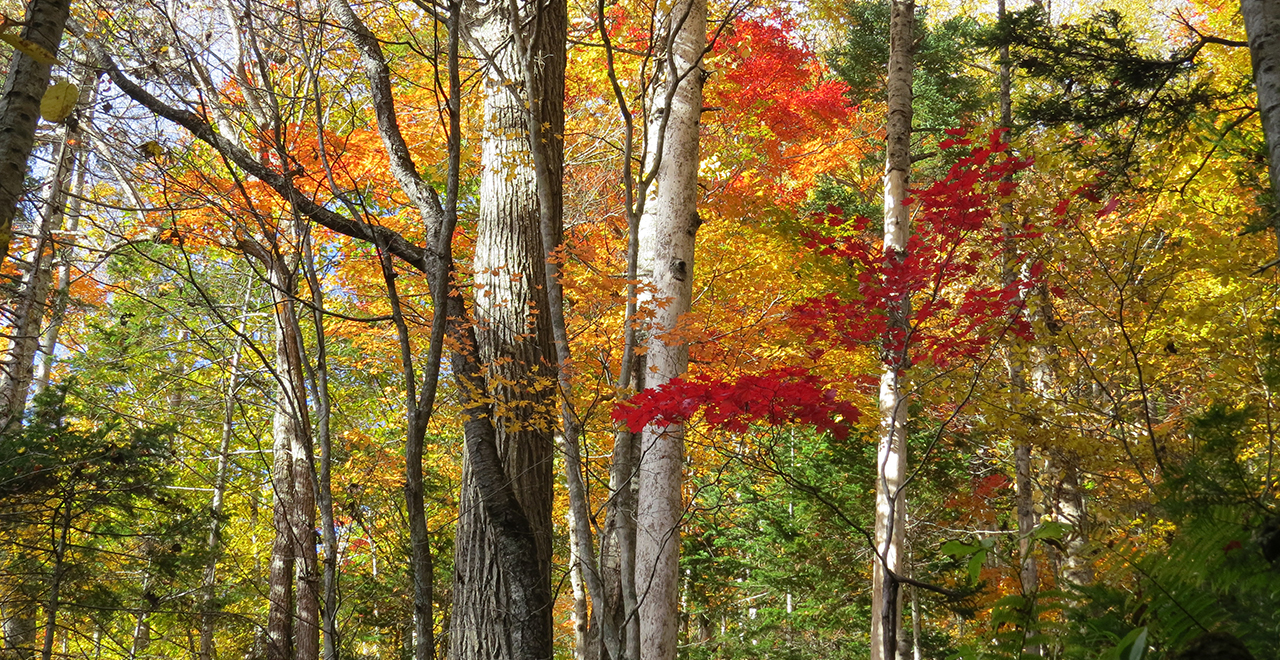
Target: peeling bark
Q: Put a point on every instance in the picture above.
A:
(891, 458)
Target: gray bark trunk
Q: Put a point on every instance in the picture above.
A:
(512, 325)
(293, 624)
(20, 107)
(1262, 25)
(29, 312)
(665, 263)
(891, 458)
(1069, 508)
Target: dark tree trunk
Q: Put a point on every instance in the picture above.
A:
(20, 107)
(514, 339)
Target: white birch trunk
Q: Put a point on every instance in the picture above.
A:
(29, 311)
(1262, 25)
(666, 236)
(891, 459)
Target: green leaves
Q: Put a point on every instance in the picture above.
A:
(1132, 647)
(1050, 530)
(977, 554)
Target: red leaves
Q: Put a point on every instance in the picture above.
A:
(781, 396)
(949, 274)
(776, 76)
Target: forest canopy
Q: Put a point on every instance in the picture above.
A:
(639, 330)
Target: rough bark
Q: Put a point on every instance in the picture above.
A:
(20, 107)
(518, 551)
(891, 459)
(665, 264)
(293, 619)
(512, 320)
(1262, 25)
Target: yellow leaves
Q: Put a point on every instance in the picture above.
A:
(58, 101)
(31, 49)
(151, 149)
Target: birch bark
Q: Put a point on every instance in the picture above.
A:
(891, 459)
(1262, 25)
(666, 250)
(17, 372)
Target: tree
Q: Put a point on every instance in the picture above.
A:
(891, 459)
(513, 320)
(36, 50)
(1262, 24)
(666, 242)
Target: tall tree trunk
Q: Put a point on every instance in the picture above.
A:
(20, 106)
(1069, 509)
(54, 602)
(419, 404)
(75, 135)
(29, 311)
(213, 543)
(1024, 493)
(512, 328)
(891, 458)
(293, 622)
(666, 247)
(1262, 25)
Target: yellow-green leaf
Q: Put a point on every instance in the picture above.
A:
(33, 50)
(151, 149)
(59, 100)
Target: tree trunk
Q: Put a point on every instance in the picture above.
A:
(666, 247)
(17, 371)
(1069, 508)
(213, 543)
(513, 332)
(1262, 25)
(20, 106)
(62, 293)
(55, 580)
(293, 622)
(891, 459)
(1024, 493)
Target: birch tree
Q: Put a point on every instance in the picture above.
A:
(891, 458)
(665, 265)
(1262, 25)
